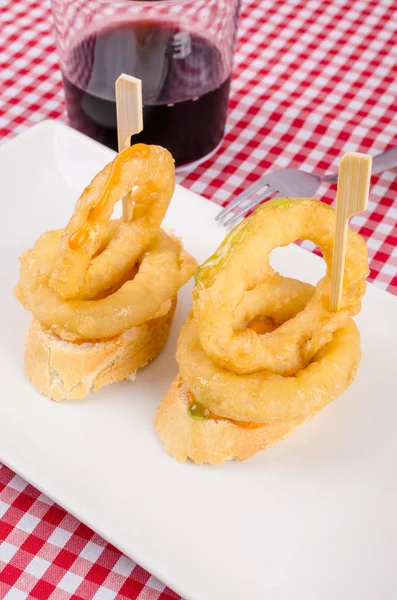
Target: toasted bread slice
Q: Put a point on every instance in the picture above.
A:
(66, 370)
(209, 440)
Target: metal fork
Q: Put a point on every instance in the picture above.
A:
(291, 183)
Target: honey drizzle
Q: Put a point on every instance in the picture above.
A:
(81, 235)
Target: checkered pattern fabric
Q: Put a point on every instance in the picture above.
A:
(312, 79)
(47, 553)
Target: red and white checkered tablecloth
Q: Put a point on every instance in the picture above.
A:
(313, 79)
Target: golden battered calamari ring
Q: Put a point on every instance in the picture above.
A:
(279, 299)
(81, 269)
(163, 269)
(241, 263)
(265, 397)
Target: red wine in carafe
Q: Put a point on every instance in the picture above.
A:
(185, 92)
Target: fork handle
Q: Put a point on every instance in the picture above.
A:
(381, 162)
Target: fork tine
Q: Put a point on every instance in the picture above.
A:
(245, 195)
(268, 191)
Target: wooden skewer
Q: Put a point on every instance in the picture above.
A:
(351, 198)
(129, 121)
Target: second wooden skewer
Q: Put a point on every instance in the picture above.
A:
(351, 199)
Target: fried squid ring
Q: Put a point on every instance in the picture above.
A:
(84, 267)
(163, 268)
(265, 397)
(241, 264)
(99, 277)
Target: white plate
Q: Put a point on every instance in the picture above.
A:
(312, 518)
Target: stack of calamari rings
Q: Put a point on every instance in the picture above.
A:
(261, 353)
(103, 291)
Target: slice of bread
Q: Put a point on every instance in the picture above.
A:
(66, 370)
(208, 440)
